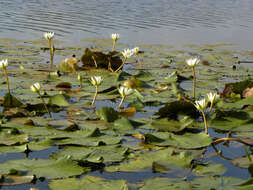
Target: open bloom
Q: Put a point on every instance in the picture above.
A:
(96, 80)
(212, 96)
(136, 50)
(201, 104)
(192, 62)
(35, 87)
(127, 53)
(48, 35)
(3, 63)
(115, 37)
(124, 91)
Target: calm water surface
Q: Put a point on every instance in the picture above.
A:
(169, 22)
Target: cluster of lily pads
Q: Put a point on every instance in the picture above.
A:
(157, 138)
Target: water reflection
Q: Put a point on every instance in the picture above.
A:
(161, 21)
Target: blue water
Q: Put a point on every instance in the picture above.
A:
(170, 22)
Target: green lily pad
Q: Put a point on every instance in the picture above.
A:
(58, 100)
(51, 169)
(87, 183)
(180, 141)
(107, 114)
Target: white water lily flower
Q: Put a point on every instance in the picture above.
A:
(96, 80)
(201, 104)
(192, 62)
(115, 36)
(48, 35)
(3, 63)
(136, 50)
(35, 87)
(124, 91)
(127, 53)
(212, 96)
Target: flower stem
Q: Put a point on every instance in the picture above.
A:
(194, 81)
(81, 84)
(42, 99)
(95, 96)
(211, 106)
(138, 59)
(113, 45)
(121, 102)
(51, 50)
(7, 81)
(124, 61)
(205, 123)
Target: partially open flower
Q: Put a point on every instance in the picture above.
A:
(201, 104)
(115, 37)
(48, 35)
(35, 87)
(96, 80)
(212, 96)
(4, 63)
(192, 62)
(127, 53)
(124, 91)
(136, 50)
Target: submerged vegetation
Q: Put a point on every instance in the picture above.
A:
(144, 126)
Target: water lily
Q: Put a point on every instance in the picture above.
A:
(192, 62)
(4, 65)
(127, 53)
(49, 36)
(136, 51)
(211, 98)
(96, 81)
(115, 38)
(201, 106)
(36, 88)
(124, 91)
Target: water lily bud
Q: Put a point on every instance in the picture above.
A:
(124, 91)
(192, 62)
(136, 50)
(48, 35)
(115, 37)
(3, 63)
(212, 96)
(35, 87)
(79, 77)
(96, 80)
(201, 104)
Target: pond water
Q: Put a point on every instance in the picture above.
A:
(169, 22)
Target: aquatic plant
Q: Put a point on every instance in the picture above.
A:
(127, 53)
(95, 81)
(201, 106)
(49, 36)
(4, 65)
(115, 38)
(36, 88)
(124, 91)
(136, 51)
(192, 62)
(211, 98)
(80, 79)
